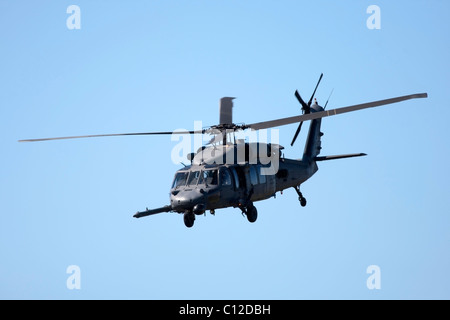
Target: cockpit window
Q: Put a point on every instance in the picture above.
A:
(180, 179)
(208, 177)
(226, 177)
(193, 178)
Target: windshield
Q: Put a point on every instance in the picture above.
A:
(193, 178)
(180, 179)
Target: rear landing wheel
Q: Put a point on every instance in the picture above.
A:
(189, 219)
(302, 202)
(301, 198)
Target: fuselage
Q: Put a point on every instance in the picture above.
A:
(211, 187)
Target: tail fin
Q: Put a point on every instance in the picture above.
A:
(313, 142)
(313, 145)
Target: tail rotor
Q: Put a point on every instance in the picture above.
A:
(306, 108)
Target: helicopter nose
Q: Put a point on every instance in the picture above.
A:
(186, 200)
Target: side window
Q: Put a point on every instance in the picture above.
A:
(209, 177)
(235, 177)
(262, 178)
(253, 175)
(225, 177)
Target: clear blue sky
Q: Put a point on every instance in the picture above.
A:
(160, 65)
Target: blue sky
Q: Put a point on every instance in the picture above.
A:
(161, 65)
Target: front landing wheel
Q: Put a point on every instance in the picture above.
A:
(189, 219)
(252, 213)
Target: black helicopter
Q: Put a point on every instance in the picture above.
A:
(234, 173)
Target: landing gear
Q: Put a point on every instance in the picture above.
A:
(252, 213)
(302, 202)
(189, 218)
(301, 198)
(249, 211)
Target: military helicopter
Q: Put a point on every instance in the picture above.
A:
(233, 173)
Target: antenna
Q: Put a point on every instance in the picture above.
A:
(328, 99)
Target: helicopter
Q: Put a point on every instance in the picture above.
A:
(233, 173)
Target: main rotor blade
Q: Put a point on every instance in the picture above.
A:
(314, 93)
(342, 156)
(114, 135)
(296, 133)
(333, 112)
